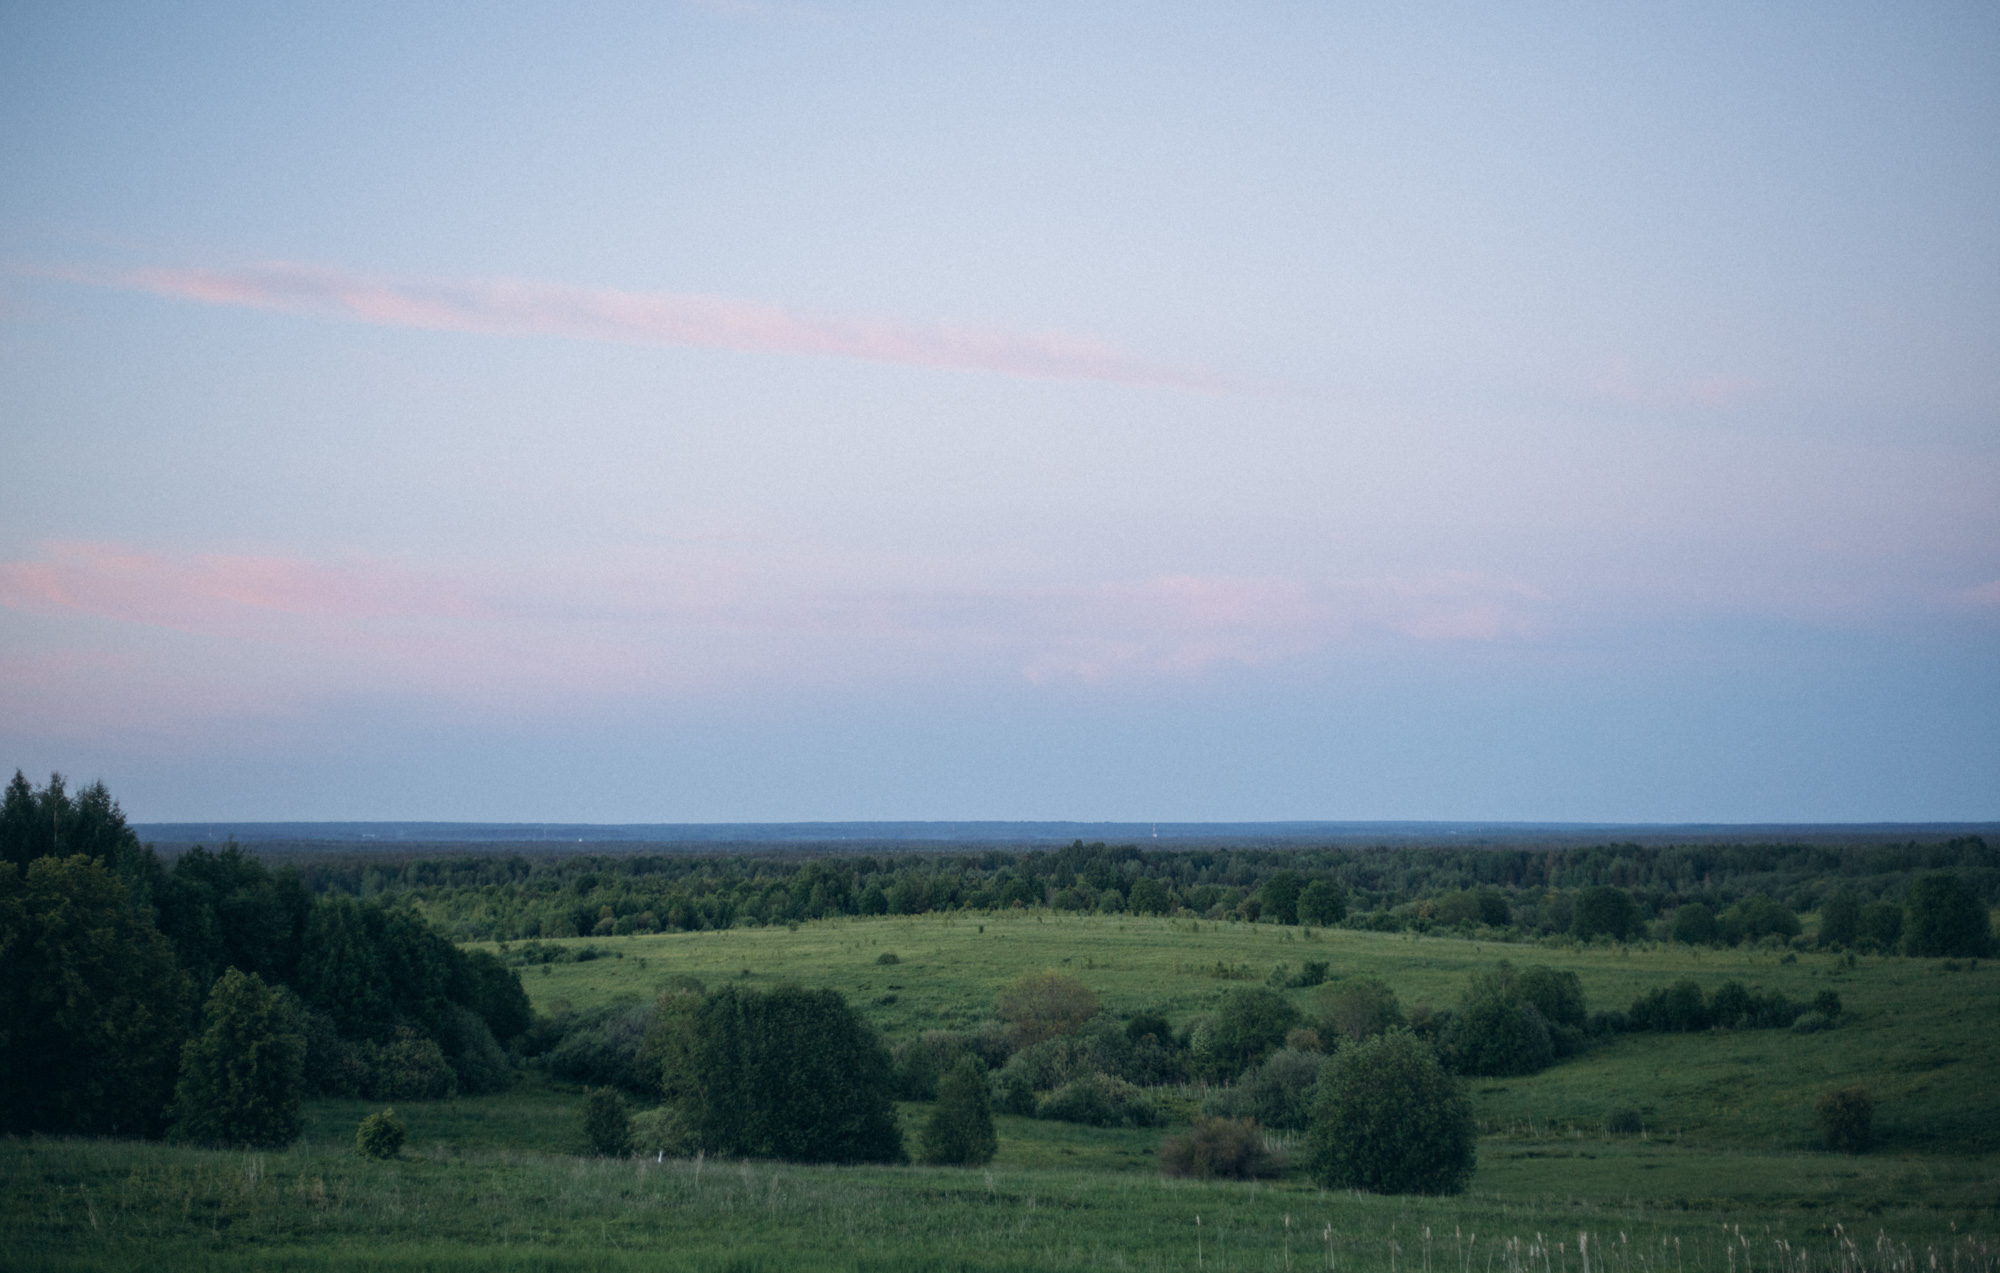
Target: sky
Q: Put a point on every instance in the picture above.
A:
(769, 411)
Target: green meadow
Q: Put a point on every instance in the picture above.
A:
(1727, 1169)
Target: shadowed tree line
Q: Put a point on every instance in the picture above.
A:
(209, 996)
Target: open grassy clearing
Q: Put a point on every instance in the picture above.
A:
(1726, 1172)
(1915, 1034)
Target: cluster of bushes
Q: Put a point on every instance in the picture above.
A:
(132, 993)
(1682, 1007)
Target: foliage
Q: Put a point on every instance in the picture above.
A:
(1277, 1093)
(1755, 918)
(1602, 910)
(49, 822)
(93, 1010)
(792, 1074)
(1099, 1100)
(381, 1135)
(473, 1053)
(1624, 1121)
(1947, 918)
(1846, 1118)
(603, 1048)
(1251, 1024)
(1323, 901)
(1044, 1004)
(665, 1130)
(960, 1132)
(1357, 1008)
(225, 910)
(1679, 1007)
(1694, 925)
(1840, 918)
(409, 1067)
(243, 1077)
(607, 1128)
(1219, 1149)
(1494, 1035)
(1281, 896)
(1387, 1118)
(1881, 927)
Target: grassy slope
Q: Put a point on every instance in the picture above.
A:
(489, 1182)
(1916, 1036)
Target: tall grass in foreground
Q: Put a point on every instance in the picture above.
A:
(119, 1205)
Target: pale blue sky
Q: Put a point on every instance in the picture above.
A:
(769, 411)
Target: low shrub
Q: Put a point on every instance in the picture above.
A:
(1827, 1004)
(1277, 1093)
(380, 1135)
(665, 1130)
(1624, 1121)
(960, 1130)
(1846, 1118)
(1096, 1100)
(1811, 1023)
(887, 957)
(1219, 1149)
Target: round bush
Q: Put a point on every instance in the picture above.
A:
(607, 1128)
(380, 1135)
(1624, 1122)
(1492, 1037)
(243, 1077)
(1386, 1118)
(1846, 1118)
(1218, 1149)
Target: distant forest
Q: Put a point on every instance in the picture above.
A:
(1504, 893)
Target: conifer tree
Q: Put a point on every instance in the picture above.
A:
(960, 1131)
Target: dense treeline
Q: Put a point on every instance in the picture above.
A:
(128, 988)
(1521, 893)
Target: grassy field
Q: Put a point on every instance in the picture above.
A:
(1726, 1172)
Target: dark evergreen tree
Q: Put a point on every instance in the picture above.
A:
(242, 1078)
(792, 1074)
(1840, 918)
(93, 1010)
(225, 910)
(960, 1131)
(1387, 1118)
(1947, 918)
(607, 1127)
(1602, 910)
(1694, 925)
(1322, 902)
(1281, 896)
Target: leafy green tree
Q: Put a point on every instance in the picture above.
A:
(1694, 925)
(93, 1010)
(1148, 898)
(341, 972)
(960, 1130)
(1840, 918)
(380, 1135)
(1357, 1008)
(494, 991)
(607, 1127)
(1387, 1118)
(243, 1077)
(1881, 926)
(1281, 896)
(1947, 918)
(1676, 1008)
(1042, 1005)
(1757, 917)
(1250, 1025)
(793, 1074)
(1602, 910)
(1321, 902)
(1495, 1036)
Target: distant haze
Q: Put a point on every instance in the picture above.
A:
(773, 412)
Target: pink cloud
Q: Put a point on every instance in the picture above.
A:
(512, 308)
(541, 632)
(211, 591)
(1986, 595)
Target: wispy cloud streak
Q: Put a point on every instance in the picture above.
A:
(514, 308)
